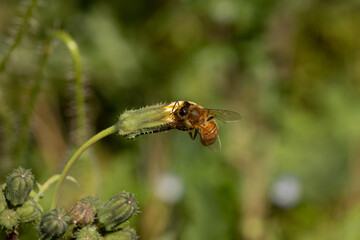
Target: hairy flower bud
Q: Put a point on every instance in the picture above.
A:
(19, 185)
(3, 203)
(88, 233)
(117, 210)
(8, 219)
(54, 224)
(84, 210)
(124, 234)
(29, 211)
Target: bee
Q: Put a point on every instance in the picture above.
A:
(194, 119)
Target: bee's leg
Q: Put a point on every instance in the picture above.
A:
(191, 134)
(176, 103)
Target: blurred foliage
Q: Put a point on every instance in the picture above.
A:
(290, 68)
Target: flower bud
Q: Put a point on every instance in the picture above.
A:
(3, 203)
(117, 210)
(84, 210)
(124, 234)
(19, 185)
(29, 211)
(88, 233)
(93, 201)
(8, 219)
(54, 224)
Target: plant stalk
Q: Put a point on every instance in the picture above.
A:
(108, 131)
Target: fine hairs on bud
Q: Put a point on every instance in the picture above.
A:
(18, 186)
(83, 212)
(117, 210)
(54, 224)
(9, 219)
(125, 233)
(88, 233)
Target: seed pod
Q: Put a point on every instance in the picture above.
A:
(84, 210)
(117, 210)
(88, 233)
(54, 224)
(29, 211)
(8, 219)
(3, 203)
(19, 185)
(124, 234)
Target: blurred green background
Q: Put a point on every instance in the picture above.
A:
(290, 169)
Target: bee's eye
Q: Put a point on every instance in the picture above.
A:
(183, 111)
(210, 118)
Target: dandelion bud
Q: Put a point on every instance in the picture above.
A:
(84, 210)
(124, 234)
(88, 233)
(117, 210)
(3, 203)
(19, 185)
(54, 224)
(8, 219)
(29, 211)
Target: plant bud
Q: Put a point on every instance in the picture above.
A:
(84, 210)
(124, 234)
(93, 201)
(3, 203)
(18, 186)
(117, 210)
(8, 219)
(88, 233)
(29, 211)
(54, 224)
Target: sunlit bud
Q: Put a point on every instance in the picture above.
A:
(19, 185)
(8, 219)
(3, 203)
(155, 118)
(84, 210)
(29, 211)
(88, 233)
(124, 234)
(117, 210)
(54, 224)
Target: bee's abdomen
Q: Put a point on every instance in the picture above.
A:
(209, 137)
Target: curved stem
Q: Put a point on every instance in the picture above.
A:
(79, 84)
(86, 145)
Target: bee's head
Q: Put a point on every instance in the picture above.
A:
(184, 109)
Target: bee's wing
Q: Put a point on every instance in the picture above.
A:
(216, 146)
(225, 115)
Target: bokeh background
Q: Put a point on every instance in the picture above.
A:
(290, 169)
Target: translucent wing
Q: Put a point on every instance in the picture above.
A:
(225, 115)
(216, 146)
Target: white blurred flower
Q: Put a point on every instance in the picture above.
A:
(286, 191)
(169, 188)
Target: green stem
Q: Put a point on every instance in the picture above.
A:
(46, 185)
(86, 145)
(79, 84)
(19, 35)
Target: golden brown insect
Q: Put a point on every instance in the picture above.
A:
(191, 117)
